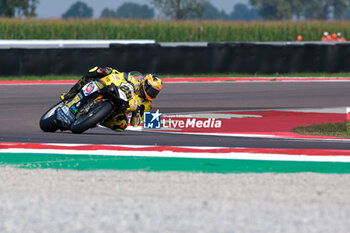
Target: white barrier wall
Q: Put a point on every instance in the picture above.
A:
(42, 44)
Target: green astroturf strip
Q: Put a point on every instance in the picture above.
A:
(99, 162)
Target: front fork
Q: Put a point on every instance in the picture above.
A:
(66, 114)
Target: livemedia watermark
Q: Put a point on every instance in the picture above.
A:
(153, 120)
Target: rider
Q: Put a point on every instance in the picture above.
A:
(146, 89)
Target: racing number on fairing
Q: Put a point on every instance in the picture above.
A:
(127, 90)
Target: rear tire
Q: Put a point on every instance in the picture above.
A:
(97, 114)
(47, 121)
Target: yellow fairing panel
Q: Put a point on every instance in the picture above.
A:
(117, 79)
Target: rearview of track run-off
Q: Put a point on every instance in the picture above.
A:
(23, 105)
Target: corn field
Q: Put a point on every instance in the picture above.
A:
(170, 31)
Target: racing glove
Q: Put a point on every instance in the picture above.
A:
(74, 90)
(105, 71)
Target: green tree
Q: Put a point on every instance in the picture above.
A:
(346, 14)
(324, 9)
(297, 7)
(314, 10)
(340, 6)
(243, 12)
(78, 10)
(13, 8)
(211, 12)
(131, 10)
(108, 14)
(274, 9)
(180, 9)
(307, 9)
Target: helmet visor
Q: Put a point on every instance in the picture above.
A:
(150, 90)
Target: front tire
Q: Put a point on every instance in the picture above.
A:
(47, 121)
(95, 115)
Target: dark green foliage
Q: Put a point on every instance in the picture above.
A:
(78, 10)
(301, 9)
(243, 12)
(180, 9)
(347, 14)
(211, 12)
(13, 8)
(274, 9)
(131, 10)
(108, 14)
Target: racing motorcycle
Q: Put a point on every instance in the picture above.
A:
(96, 102)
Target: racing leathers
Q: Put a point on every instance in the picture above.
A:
(137, 105)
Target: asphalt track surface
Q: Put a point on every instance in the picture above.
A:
(22, 106)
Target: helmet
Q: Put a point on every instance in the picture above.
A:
(325, 34)
(334, 36)
(151, 86)
(339, 34)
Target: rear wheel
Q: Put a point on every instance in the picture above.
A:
(47, 121)
(96, 112)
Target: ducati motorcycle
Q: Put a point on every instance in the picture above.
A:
(95, 103)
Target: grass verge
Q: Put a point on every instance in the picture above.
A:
(236, 75)
(327, 129)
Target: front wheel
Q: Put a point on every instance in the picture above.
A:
(96, 113)
(47, 121)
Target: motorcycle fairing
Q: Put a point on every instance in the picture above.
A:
(90, 88)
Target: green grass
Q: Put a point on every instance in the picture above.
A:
(236, 75)
(327, 129)
(169, 31)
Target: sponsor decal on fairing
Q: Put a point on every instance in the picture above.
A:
(90, 88)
